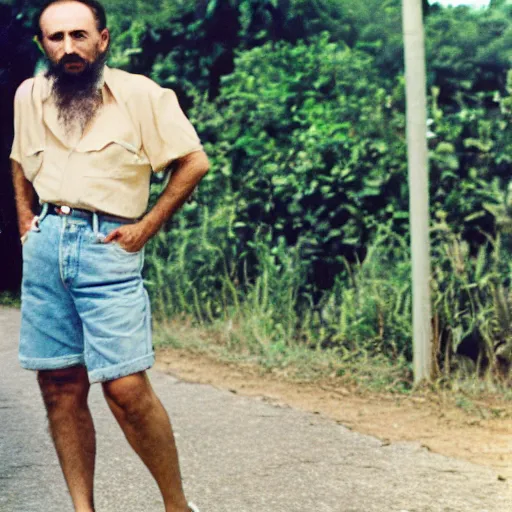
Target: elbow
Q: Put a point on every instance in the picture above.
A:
(194, 164)
(203, 164)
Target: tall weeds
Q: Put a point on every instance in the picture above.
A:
(270, 310)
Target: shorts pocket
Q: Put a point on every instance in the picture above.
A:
(122, 250)
(129, 258)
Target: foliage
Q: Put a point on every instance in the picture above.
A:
(300, 232)
(469, 52)
(472, 301)
(309, 129)
(8, 299)
(365, 316)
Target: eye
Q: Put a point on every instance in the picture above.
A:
(56, 37)
(79, 35)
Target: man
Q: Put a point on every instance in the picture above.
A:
(86, 140)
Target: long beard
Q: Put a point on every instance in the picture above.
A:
(77, 96)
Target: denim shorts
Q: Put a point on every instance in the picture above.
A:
(83, 301)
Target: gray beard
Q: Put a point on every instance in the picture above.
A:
(77, 98)
(76, 112)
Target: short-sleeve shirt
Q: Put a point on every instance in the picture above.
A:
(139, 128)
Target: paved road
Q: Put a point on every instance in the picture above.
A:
(237, 454)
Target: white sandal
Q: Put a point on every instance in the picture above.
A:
(193, 508)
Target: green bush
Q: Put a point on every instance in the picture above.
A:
(309, 144)
(301, 229)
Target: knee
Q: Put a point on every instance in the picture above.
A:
(132, 396)
(60, 388)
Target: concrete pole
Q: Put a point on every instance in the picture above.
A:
(414, 43)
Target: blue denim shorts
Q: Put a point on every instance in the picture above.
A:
(83, 301)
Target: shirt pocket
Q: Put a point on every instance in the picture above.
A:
(116, 178)
(115, 159)
(32, 162)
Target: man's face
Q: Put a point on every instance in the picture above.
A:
(70, 37)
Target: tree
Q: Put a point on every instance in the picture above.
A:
(17, 61)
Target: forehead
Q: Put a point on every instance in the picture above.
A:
(66, 17)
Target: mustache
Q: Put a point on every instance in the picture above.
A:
(72, 58)
(68, 82)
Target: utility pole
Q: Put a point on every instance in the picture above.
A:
(417, 151)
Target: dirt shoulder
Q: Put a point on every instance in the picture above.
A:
(482, 435)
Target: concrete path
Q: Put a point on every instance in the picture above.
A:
(237, 455)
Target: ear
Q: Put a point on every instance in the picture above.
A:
(105, 39)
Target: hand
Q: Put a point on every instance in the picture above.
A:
(131, 237)
(26, 226)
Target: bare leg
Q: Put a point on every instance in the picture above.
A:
(65, 396)
(147, 428)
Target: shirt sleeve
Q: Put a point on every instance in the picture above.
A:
(166, 132)
(16, 144)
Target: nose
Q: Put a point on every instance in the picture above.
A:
(69, 46)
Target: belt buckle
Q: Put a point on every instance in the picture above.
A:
(63, 210)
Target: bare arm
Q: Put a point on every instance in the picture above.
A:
(189, 171)
(185, 178)
(24, 194)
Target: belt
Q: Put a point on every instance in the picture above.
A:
(68, 211)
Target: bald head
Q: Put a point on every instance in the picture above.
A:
(70, 35)
(96, 9)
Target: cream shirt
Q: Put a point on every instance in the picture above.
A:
(139, 128)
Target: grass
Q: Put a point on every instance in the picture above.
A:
(358, 333)
(362, 374)
(9, 299)
(227, 342)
